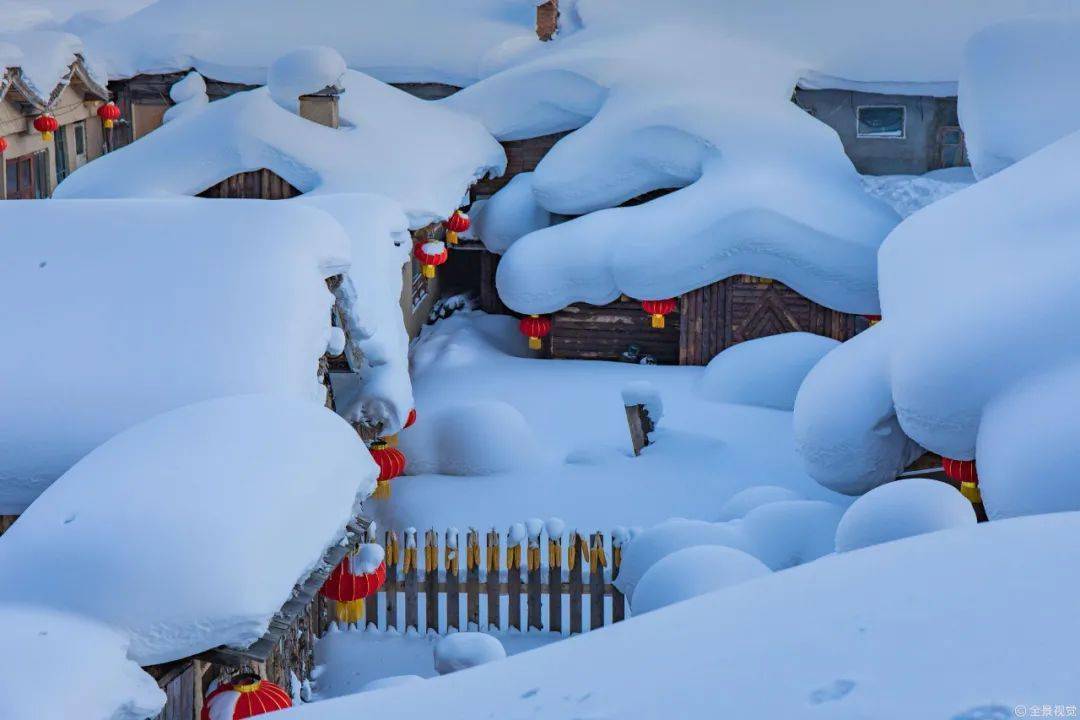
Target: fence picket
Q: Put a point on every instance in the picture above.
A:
(412, 619)
(555, 584)
(453, 580)
(431, 580)
(371, 602)
(513, 581)
(597, 563)
(472, 579)
(618, 601)
(574, 562)
(534, 590)
(391, 584)
(493, 580)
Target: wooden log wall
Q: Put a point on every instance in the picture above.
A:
(592, 332)
(509, 581)
(255, 185)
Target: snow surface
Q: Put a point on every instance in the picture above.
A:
(44, 56)
(74, 16)
(901, 509)
(464, 650)
(189, 96)
(905, 626)
(57, 666)
(201, 481)
(754, 497)
(907, 194)
(693, 571)
(403, 41)
(154, 305)
(766, 372)
(643, 392)
(509, 214)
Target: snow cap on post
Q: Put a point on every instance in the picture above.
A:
(314, 71)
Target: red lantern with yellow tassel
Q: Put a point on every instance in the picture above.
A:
(455, 225)
(431, 255)
(109, 114)
(46, 125)
(244, 696)
(658, 309)
(536, 328)
(3, 145)
(351, 582)
(391, 462)
(964, 472)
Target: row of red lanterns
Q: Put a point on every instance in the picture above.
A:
(47, 124)
(433, 253)
(538, 327)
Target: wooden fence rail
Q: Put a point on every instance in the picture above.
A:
(517, 581)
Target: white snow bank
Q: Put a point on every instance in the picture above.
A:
(907, 194)
(746, 500)
(150, 306)
(483, 438)
(304, 71)
(388, 682)
(189, 96)
(153, 532)
(693, 571)
(406, 41)
(1018, 90)
(767, 189)
(509, 214)
(766, 371)
(70, 15)
(44, 56)
(902, 509)
(58, 666)
(386, 135)
(842, 638)
(463, 650)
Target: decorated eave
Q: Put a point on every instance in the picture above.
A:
(31, 102)
(303, 594)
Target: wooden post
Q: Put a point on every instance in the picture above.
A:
(371, 603)
(637, 418)
(453, 580)
(412, 583)
(574, 562)
(472, 579)
(513, 581)
(597, 563)
(532, 562)
(555, 584)
(493, 580)
(391, 584)
(431, 580)
(618, 601)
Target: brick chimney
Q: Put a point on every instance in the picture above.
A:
(322, 107)
(547, 19)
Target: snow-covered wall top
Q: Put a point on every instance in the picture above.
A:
(190, 530)
(421, 155)
(148, 306)
(766, 188)
(399, 41)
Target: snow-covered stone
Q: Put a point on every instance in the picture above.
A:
(464, 650)
(693, 571)
(901, 509)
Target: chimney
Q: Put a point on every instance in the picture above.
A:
(322, 107)
(547, 19)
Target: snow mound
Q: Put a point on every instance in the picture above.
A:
(509, 214)
(89, 660)
(189, 96)
(484, 438)
(766, 371)
(792, 532)
(464, 650)
(304, 71)
(901, 509)
(203, 481)
(691, 572)
(388, 682)
(746, 500)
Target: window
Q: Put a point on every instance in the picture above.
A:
(27, 177)
(60, 149)
(80, 139)
(881, 121)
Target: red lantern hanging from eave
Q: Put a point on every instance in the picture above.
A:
(109, 114)
(455, 225)
(965, 473)
(872, 319)
(536, 328)
(244, 696)
(391, 462)
(431, 255)
(46, 125)
(658, 309)
(410, 420)
(3, 145)
(350, 584)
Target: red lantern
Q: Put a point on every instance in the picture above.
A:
(431, 255)
(3, 145)
(455, 225)
(964, 472)
(658, 309)
(46, 125)
(244, 696)
(872, 319)
(536, 328)
(109, 114)
(391, 462)
(411, 420)
(347, 586)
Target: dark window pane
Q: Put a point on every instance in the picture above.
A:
(881, 122)
(80, 139)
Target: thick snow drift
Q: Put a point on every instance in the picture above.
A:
(464, 650)
(902, 509)
(766, 372)
(172, 531)
(57, 666)
(693, 571)
(841, 638)
(150, 306)
(189, 96)
(44, 56)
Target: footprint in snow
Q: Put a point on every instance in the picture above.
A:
(836, 690)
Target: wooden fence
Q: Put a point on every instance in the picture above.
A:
(515, 581)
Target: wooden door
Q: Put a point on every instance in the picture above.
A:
(20, 178)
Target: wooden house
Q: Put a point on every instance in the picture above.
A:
(33, 165)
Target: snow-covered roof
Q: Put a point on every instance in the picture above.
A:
(190, 530)
(115, 311)
(41, 63)
(401, 41)
(902, 628)
(421, 155)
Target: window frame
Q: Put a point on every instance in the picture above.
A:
(880, 106)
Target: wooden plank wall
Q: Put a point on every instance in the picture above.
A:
(592, 332)
(255, 185)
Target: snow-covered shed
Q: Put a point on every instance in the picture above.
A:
(43, 74)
